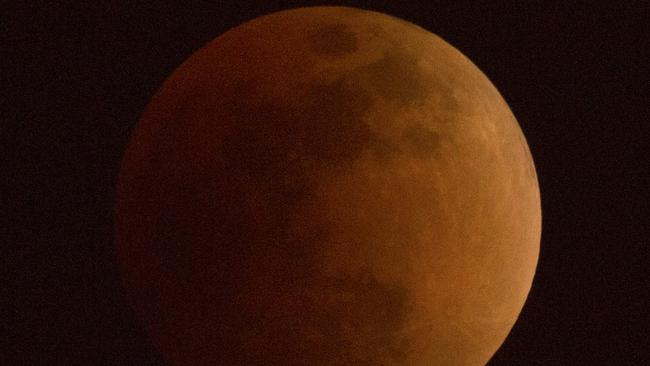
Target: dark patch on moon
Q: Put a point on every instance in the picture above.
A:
(322, 320)
(325, 127)
(272, 148)
(278, 147)
(366, 311)
(397, 76)
(383, 149)
(421, 142)
(334, 129)
(333, 40)
(230, 223)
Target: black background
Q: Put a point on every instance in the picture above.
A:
(76, 76)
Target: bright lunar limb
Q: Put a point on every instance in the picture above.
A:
(327, 186)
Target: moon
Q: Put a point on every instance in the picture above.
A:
(327, 186)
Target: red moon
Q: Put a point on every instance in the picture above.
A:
(327, 186)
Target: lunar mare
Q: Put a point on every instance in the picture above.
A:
(327, 186)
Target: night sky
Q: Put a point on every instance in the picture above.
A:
(76, 77)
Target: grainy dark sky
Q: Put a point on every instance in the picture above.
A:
(76, 76)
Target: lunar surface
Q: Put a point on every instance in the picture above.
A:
(327, 186)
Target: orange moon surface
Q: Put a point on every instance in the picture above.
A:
(327, 186)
